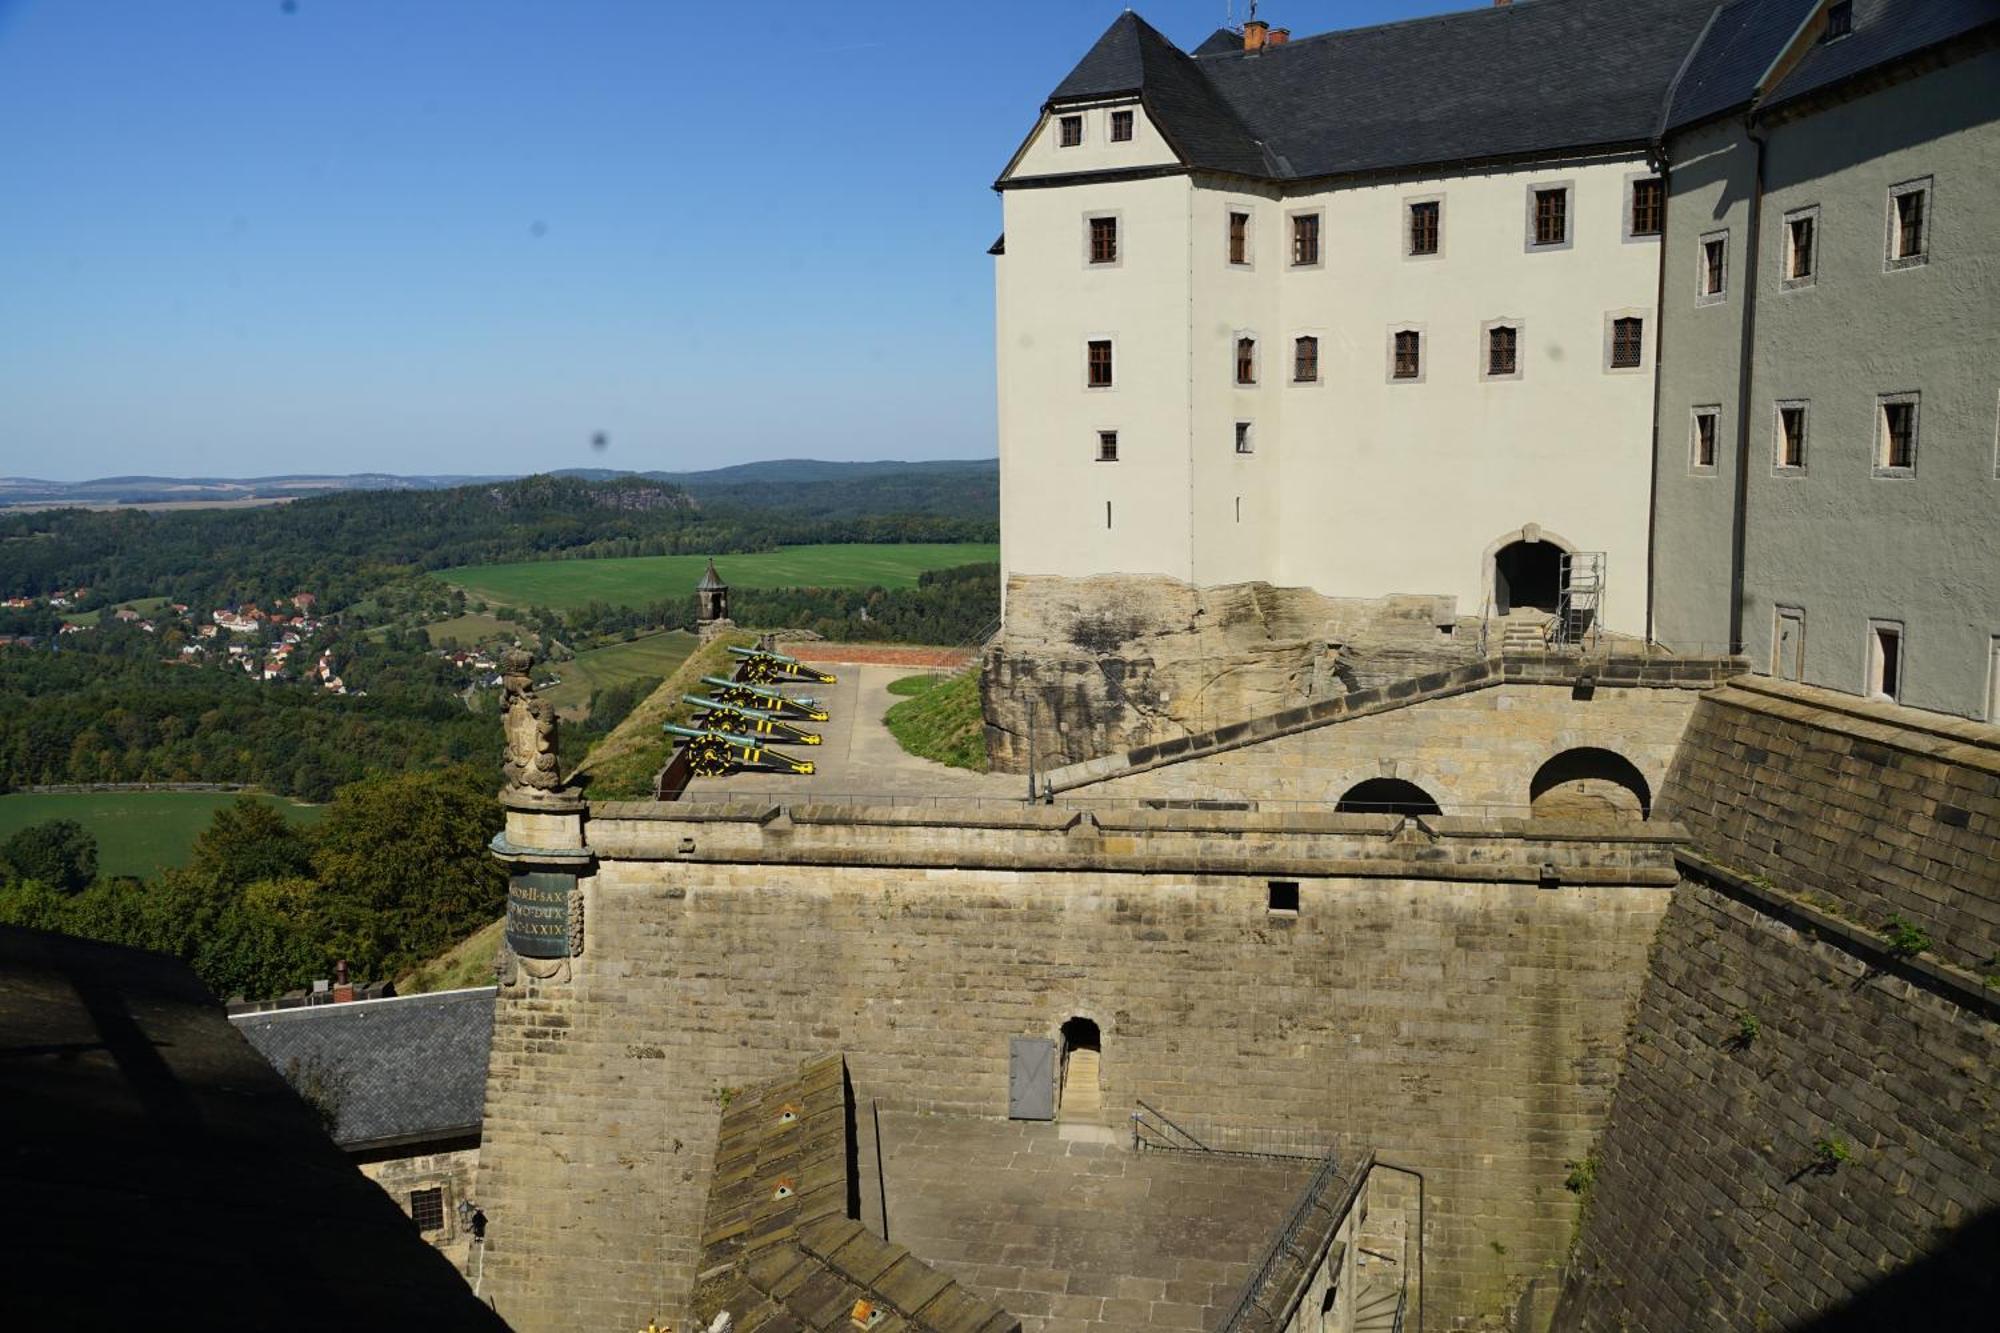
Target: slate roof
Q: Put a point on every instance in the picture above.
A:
(781, 1251)
(710, 580)
(409, 1068)
(159, 1172)
(1517, 80)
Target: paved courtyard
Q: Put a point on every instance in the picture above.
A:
(858, 757)
(1068, 1227)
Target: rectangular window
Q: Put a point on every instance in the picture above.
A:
(1305, 360)
(1628, 336)
(1701, 438)
(1104, 240)
(1282, 895)
(1551, 216)
(1799, 247)
(1246, 361)
(427, 1209)
(1121, 127)
(1239, 238)
(1305, 240)
(1885, 659)
(1100, 363)
(1501, 350)
(1424, 227)
(1896, 448)
(1909, 223)
(1072, 131)
(1107, 446)
(1714, 266)
(1244, 444)
(1408, 349)
(1649, 206)
(1791, 439)
(1839, 20)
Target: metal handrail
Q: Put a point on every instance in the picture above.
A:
(1322, 1180)
(1138, 1119)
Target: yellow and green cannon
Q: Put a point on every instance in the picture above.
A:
(761, 665)
(713, 753)
(747, 721)
(756, 696)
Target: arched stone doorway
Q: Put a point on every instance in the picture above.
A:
(1590, 783)
(1387, 796)
(1527, 574)
(1082, 1068)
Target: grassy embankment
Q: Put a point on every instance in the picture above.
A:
(940, 719)
(138, 832)
(643, 580)
(622, 765)
(467, 963)
(654, 655)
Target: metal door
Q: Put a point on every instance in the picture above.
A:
(1031, 1078)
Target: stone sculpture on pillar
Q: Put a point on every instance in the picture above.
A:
(530, 724)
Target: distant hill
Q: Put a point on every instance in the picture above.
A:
(190, 492)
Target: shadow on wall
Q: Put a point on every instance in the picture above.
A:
(1590, 783)
(1956, 1285)
(1387, 796)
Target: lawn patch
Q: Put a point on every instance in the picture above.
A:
(941, 719)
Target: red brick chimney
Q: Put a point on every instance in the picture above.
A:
(1254, 33)
(343, 990)
(1278, 37)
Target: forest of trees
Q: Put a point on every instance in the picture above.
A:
(344, 545)
(397, 873)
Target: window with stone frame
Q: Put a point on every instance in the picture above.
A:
(1305, 240)
(1107, 446)
(1628, 336)
(1246, 361)
(1909, 223)
(1791, 433)
(1896, 450)
(1409, 345)
(1649, 206)
(1121, 127)
(1071, 130)
(1502, 350)
(1104, 240)
(1551, 216)
(1714, 265)
(1244, 444)
(1239, 237)
(1099, 363)
(1701, 441)
(1305, 359)
(1800, 236)
(1424, 227)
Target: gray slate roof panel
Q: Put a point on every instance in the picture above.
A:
(411, 1066)
(1738, 47)
(1885, 30)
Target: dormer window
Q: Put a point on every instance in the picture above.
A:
(1071, 130)
(1121, 127)
(1839, 20)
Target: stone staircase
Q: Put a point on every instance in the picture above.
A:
(1375, 1305)
(1526, 632)
(1082, 1095)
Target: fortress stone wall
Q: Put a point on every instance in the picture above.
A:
(1807, 1132)
(1440, 995)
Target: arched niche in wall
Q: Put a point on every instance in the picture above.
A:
(1590, 783)
(1387, 796)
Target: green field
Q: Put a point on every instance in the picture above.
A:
(470, 631)
(643, 580)
(600, 668)
(137, 832)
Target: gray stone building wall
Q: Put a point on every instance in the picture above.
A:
(1836, 542)
(1473, 1025)
(450, 1171)
(1710, 179)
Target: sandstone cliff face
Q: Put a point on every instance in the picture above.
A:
(1086, 667)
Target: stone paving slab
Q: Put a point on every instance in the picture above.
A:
(1076, 1234)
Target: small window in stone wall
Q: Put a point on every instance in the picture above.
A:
(427, 1209)
(1282, 895)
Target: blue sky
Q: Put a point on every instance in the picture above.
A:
(244, 237)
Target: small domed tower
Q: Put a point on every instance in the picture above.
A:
(711, 597)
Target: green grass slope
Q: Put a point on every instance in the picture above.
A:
(656, 655)
(940, 719)
(622, 765)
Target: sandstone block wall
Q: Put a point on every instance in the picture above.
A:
(1713, 1207)
(1473, 1027)
(1091, 666)
(452, 1171)
(1475, 751)
(1872, 809)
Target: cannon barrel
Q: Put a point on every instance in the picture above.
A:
(811, 705)
(765, 652)
(764, 661)
(721, 706)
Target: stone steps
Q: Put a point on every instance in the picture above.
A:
(1082, 1094)
(1375, 1306)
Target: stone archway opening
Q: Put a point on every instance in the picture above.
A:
(1527, 574)
(1593, 784)
(1082, 1067)
(1387, 796)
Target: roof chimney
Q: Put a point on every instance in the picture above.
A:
(343, 991)
(1254, 33)
(1279, 36)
